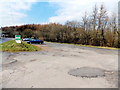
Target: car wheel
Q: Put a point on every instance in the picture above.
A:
(29, 42)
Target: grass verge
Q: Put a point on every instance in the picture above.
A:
(112, 48)
(12, 46)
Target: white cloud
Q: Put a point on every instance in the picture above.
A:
(11, 11)
(75, 9)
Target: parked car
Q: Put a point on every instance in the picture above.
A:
(27, 39)
(30, 41)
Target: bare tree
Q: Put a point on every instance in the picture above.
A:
(102, 22)
(85, 21)
(113, 27)
(94, 17)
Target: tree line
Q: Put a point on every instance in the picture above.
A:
(96, 29)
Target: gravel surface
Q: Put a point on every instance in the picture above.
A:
(50, 67)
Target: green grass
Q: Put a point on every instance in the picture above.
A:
(12, 46)
(112, 48)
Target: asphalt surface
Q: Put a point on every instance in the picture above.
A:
(5, 40)
(50, 67)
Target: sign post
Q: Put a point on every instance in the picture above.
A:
(18, 38)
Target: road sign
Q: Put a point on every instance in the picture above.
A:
(18, 38)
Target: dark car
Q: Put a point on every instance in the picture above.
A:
(35, 41)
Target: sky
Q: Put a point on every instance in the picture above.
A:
(19, 12)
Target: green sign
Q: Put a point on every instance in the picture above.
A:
(17, 37)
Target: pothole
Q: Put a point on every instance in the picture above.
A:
(88, 72)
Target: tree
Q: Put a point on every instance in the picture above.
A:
(28, 33)
(94, 17)
(85, 21)
(102, 22)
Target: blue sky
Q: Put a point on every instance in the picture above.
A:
(40, 12)
(19, 12)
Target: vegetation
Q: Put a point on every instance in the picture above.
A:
(12, 46)
(97, 29)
